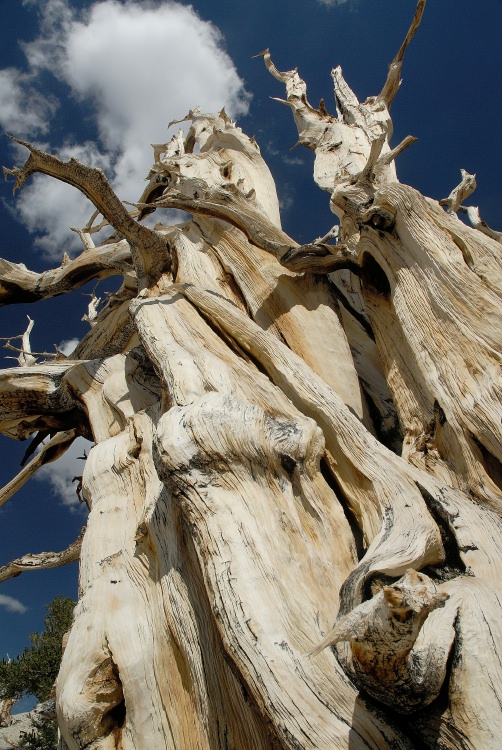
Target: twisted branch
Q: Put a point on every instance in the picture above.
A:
(42, 560)
(149, 249)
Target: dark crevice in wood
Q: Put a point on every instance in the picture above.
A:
(391, 437)
(490, 463)
(361, 319)
(349, 594)
(375, 582)
(439, 414)
(373, 277)
(118, 714)
(113, 720)
(453, 565)
(357, 533)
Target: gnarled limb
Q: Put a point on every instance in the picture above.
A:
(26, 358)
(51, 451)
(228, 159)
(92, 309)
(36, 398)
(458, 195)
(342, 145)
(478, 223)
(149, 250)
(228, 205)
(348, 145)
(393, 81)
(96, 396)
(42, 560)
(228, 180)
(18, 284)
(382, 633)
(320, 258)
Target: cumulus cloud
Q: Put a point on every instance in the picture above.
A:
(49, 208)
(60, 473)
(132, 67)
(12, 605)
(24, 110)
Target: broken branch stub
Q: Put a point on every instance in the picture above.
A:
(280, 445)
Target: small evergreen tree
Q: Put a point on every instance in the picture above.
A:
(43, 736)
(35, 670)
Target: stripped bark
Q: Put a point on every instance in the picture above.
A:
(42, 560)
(295, 530)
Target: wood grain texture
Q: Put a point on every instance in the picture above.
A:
(294, 538)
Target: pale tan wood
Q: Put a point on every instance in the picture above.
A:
(42, 560)
(295, 530)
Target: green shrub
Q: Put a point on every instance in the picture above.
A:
(35, 670)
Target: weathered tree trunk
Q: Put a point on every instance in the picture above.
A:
(286, 437)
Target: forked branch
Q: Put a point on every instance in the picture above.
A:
(150, 252)
(25, 358)
(18, 284)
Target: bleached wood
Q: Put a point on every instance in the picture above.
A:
(478, 223)
(460, 193)
(150, 252)
(51, 451)
(296, 447)
(42, 560)
(18, 284)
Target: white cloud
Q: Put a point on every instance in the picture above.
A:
(24, 111)
(133, 67)
(335, 2)
(11, 604)
(60, 473)
(49, 207)
(292, 161)
(68, 346)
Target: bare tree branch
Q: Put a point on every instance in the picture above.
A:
(18, 284)
(26, 358)
(463, 190)
(232, 207)
(149, 249)
(478, 223)
(52, 450)
(42, 560)
(393, 81)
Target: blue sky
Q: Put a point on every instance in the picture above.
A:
(101, 80)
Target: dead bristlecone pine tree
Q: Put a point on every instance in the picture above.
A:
(294, 538)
